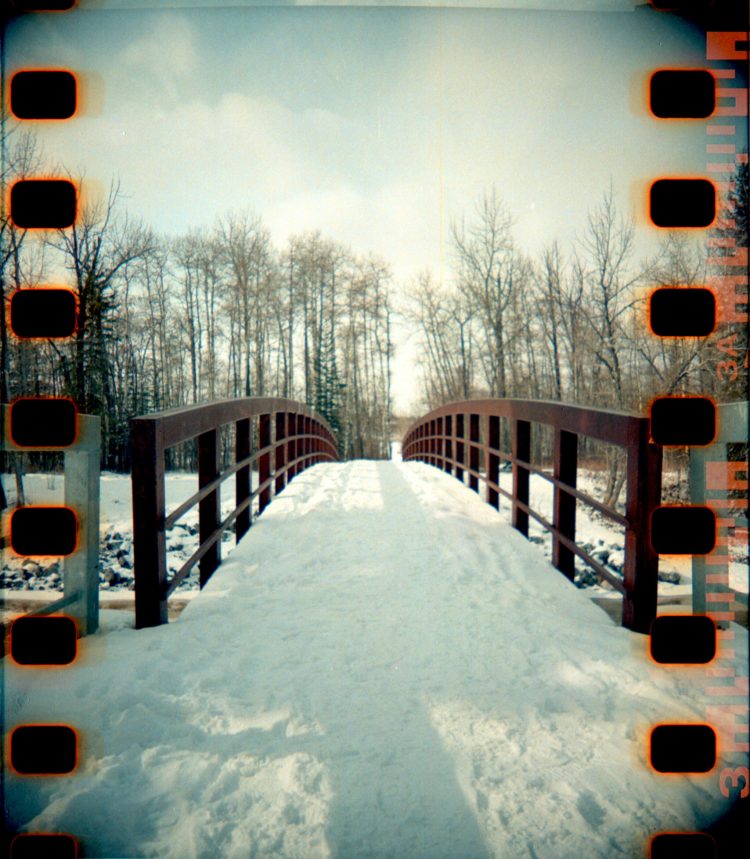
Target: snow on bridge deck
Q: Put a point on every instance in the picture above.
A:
(383, 668)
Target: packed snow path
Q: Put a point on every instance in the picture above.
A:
(383, 668)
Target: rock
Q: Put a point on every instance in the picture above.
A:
(111, 576)
(586, 579)
(671, 577)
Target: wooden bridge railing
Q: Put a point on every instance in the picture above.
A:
(449, 438)
(290, 438)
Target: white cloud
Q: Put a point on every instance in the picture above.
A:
(162, 58)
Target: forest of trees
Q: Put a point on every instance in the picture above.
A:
(219, 312)
(566, 326)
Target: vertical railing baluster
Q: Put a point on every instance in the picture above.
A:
(493, 460)
(521, 451)
(474, 452)
(448, 463)
(460, 447)
(280, 451)
(243, 480)
(264, 461)
(208, 507)
(150, 558)
(291, 445)
(641, 570)
(565, 468)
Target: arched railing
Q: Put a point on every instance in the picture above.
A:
(282, 437)
(451, 438)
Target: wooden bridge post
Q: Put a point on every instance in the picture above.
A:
(522, 451)
(243, 481)
(439, 451)
(264, 461)
(280, 451)
(641, 572)
(150, 559)
(565, 468)
(492, 465)
(209, 508)
(460, 447)
(474, 452)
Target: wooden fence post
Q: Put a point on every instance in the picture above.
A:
(641, 570)
(149, 562)
(565, 469)
(522, 451)
(209, 508)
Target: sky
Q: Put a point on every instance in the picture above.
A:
(378, 125)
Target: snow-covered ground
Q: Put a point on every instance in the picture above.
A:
(382, 668)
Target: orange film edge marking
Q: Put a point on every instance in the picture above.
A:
(45, 666)
(73, 74)
(44, 725)
(44, 178)
(717, 206)
(722, 45)
(46, 447)
(60, 288)
(13, 553)
(722, 474)
(693, 119)
(718, 749)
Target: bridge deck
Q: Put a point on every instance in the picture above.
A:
(382, 668)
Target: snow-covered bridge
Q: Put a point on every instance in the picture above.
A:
(384, 667)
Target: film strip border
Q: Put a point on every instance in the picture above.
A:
(43, 423)
(720, 306)
(51, 203)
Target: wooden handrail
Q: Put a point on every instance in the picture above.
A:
(449, 438)
(290, 438)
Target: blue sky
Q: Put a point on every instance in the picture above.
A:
(377, 125)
